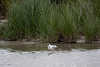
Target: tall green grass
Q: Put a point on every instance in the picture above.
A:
(86, 20)
(42, 19)
(67, 25)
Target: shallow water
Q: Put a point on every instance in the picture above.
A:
(17, 54)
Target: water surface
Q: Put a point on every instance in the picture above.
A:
(18, 54)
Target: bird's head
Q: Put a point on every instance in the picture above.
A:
(48, 43)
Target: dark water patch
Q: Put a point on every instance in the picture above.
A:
(24, 47)
(20, 46)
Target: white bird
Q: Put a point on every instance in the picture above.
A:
(51, 47)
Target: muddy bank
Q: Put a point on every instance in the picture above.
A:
(38, 41)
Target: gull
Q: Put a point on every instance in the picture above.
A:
(51, 47)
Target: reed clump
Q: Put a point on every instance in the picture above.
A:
(46, 20)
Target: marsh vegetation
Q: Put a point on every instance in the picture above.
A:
(64, 21)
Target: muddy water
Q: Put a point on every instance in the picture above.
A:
(18, 54)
